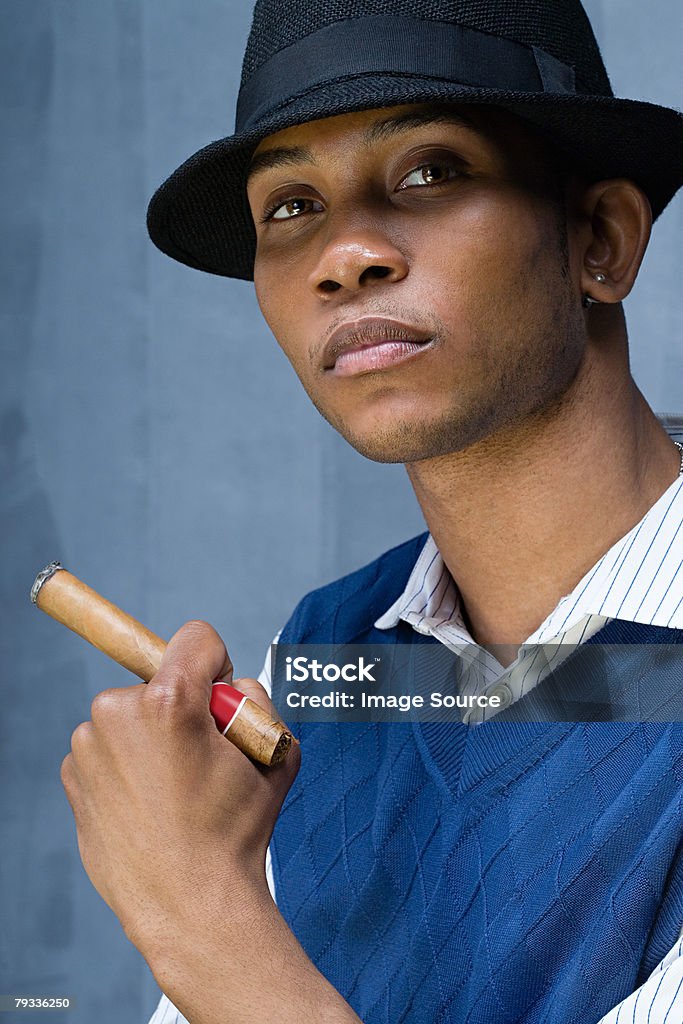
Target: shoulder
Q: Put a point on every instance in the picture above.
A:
(358, 598)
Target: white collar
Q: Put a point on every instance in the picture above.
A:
(640, 579)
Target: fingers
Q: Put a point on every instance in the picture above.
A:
(81, 746)
(67, 774)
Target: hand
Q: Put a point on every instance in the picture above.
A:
(173, 821)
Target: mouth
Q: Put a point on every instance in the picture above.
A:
(370, 344)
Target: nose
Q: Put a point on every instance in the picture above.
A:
(355, 261)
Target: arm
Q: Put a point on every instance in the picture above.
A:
(173, 825)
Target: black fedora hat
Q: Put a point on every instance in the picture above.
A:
(311, 59)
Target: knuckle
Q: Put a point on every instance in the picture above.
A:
(163, 695)
(66, 773)
(80, 737)
(169, 703)
(104, 704)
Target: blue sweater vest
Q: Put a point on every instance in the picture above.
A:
(511, 872)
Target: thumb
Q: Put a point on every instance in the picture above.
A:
(194, 656)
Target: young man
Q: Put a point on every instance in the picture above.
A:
(443, 207)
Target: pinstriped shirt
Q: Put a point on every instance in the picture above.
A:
(640, 579)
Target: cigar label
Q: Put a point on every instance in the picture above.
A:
(70, 601)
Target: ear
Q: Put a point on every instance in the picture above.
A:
(619, 218)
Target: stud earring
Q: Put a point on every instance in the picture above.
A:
(588, 300)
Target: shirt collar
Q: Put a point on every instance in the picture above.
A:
(640, 579)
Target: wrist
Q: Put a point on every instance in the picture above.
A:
(236, 904)
(238, 960)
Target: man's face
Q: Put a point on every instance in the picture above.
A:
(413, 266)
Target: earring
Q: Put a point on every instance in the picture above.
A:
(588, 300)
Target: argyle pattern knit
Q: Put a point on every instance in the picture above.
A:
(508, 872)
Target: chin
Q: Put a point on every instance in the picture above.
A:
(411, 442)
(422, 427)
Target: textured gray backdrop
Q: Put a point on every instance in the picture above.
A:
(153, 437)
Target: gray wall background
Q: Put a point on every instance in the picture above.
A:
(154, 439)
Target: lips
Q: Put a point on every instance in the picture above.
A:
(377, 341)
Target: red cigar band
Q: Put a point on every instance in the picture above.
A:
(225, 704)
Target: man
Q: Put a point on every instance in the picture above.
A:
(443, 208)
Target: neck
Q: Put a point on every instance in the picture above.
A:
(523, 514)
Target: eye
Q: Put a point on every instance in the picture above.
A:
(290, 209)
(430, 174)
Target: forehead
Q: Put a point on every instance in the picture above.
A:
(344, 124)
(491, 125)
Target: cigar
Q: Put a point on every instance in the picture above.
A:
(117, 634)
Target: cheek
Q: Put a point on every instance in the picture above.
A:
(463, 260)
(266, 289)
(502, 267)
(282, 311)
(274, 298)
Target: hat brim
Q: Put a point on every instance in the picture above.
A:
(200, 215)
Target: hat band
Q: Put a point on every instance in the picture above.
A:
(399, 46)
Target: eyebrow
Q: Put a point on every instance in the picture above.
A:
(410, 119)
(279, 157)
(388, 127)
